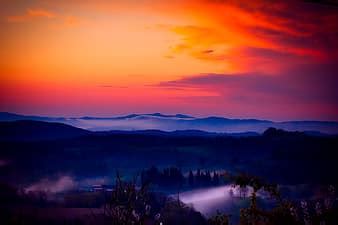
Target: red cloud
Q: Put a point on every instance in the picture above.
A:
(305, 32)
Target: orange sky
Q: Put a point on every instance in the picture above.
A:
(119, 56)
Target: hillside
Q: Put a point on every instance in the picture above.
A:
(30, 130)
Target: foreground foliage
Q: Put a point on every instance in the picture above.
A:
(129, 204)
(305, 212)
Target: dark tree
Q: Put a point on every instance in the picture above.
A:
(191, 179)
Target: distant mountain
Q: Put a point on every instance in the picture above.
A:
(273, 132)
(134, 116)
(30, 130)
(179, 133)
(5, 116)
(158, 121)
(182, 116)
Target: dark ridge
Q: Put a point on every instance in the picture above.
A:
(179, 133)
(274, 132)
(30, 130)
(6, 116)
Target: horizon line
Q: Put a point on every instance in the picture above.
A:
(172, 115)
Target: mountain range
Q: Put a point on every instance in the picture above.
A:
(179, 122)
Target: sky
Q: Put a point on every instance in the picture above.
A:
(231, 58)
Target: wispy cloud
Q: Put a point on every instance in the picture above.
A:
(297, 91)
(40, 13)
(32, 13)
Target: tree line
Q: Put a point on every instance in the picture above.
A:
(173, 177)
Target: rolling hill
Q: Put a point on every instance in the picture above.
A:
(158, 121)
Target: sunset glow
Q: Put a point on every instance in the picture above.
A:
(232, 58)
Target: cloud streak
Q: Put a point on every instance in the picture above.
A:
(297, 91)
(30, 14)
